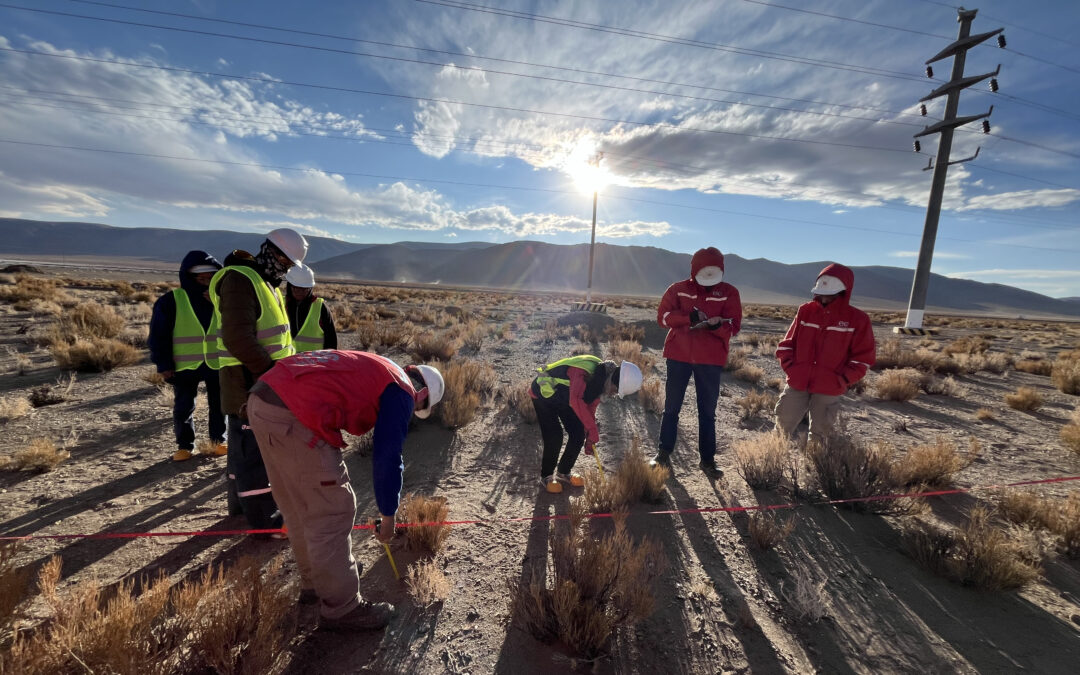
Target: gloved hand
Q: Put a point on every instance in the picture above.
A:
(715, 322)
(590, 449)
(696, 317)
(384, 529)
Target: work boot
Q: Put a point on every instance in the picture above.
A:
(219, 450)
(570, 478)
(551, 485)
(181, 455)
(661, 458)
(366, 616)
(710, 469)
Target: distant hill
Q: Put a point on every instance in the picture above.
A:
(528, 265)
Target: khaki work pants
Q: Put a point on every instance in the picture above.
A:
(794, 404)
(312, 489)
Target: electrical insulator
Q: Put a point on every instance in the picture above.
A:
(918, 146)
(986, 127)
(929, 71)
(1001, 40)
(922, 109)
(993, 84)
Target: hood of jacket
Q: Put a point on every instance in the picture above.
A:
(845, 275)
(193, 258)
(706, 257)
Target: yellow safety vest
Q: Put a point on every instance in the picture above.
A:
(547, 381)
(188, 336)
(271, 329)
(310, 336)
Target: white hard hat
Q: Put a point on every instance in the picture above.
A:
(828, 285)
(629, 378)
(289, 242)
(301, 276)
(709, 276)
(433, 379)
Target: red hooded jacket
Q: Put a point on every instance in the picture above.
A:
(702, 346)
(828, 347)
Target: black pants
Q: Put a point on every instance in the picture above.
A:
(185, 385)
(553, 418)
(248, 485)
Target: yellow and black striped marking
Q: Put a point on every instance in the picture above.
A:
(902, 330)
(588, 307)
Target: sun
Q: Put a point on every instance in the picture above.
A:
(586, 168)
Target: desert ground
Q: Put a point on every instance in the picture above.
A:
(841, 593)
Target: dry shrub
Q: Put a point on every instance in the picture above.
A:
(27, 289)
(750, 373)
(984, 415)
(1066, 375)
(898, 385)
(40, 454)
(39, 307)
(967, 345)
(934, 464)
(90, 320)
(769, 529)
(848, 469)
(777, 383)
(625, 350)
(1070, 432)
(430, 346)
(619, 332)
(422, 514)
(377, 335)
(892, 353)
(427, 583)
(599, 585)
(518, 398)
(14, 407)
(948, 386)
(467, 383)
(754, 403)
(807, 597)
(94, 355)
(633, 481)
(992, 362)
(226, 622)
(1034, 366)
(1025, 399)
(1060, 516)
(14, 584)
(651, 395)
(737, 358)
(51, 394)
(763, 459)
(978, 554)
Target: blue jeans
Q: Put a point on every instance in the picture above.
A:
(185, 385)
(707, 383)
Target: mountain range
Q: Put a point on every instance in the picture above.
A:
(527, 265)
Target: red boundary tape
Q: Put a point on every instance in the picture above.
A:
(523, 519)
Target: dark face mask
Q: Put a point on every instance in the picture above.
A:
(272, 267)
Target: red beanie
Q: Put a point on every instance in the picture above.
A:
(706, 257)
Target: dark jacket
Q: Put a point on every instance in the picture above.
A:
(828, 347)
(163, 318)
(298, 312)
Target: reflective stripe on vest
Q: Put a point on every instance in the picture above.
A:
(548, 383)
(188, 336)
(271, 329)
(310, 336)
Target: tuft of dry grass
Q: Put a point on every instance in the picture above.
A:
(600, 584)
(51, 394)
(807, 597)
(949, 386)
(652, 395)
(423, 514)
(1059, 516)
(152, 376)
(1065, 374)
(517, 397)
(967, 345)
(427, 583)
(430, 346)
(633, 481)
(898, 385)
(737, 358)
(769, 529)
(620, 331)
(468, 383)
(27, 289)
(90, 320)
(984, 415)
(14, 407)
(934, 464)
(755, 403)
(40, 454)
(94, 355)
(1070, 432)
(750, 373)
(1034, 366)
(848, 469)
(978, 554)
(14, 584)
(763, 459)
(626, 350)
(992, 362)
(1025, 399)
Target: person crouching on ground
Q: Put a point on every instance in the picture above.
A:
(310, 320)
(178, 332)
(297, 410)
(565, 394)
(702, 314)
(828, 348)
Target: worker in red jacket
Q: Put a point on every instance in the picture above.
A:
(701, 314)
(297, 411)
(829, 347)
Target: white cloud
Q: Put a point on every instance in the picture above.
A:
(1024, 199)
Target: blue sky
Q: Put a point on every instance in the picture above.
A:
(763, 130)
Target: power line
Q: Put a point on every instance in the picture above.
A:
(1007, 23)
(278, 167)
(487, 106)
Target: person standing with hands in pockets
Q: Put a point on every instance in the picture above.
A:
(702, 314)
